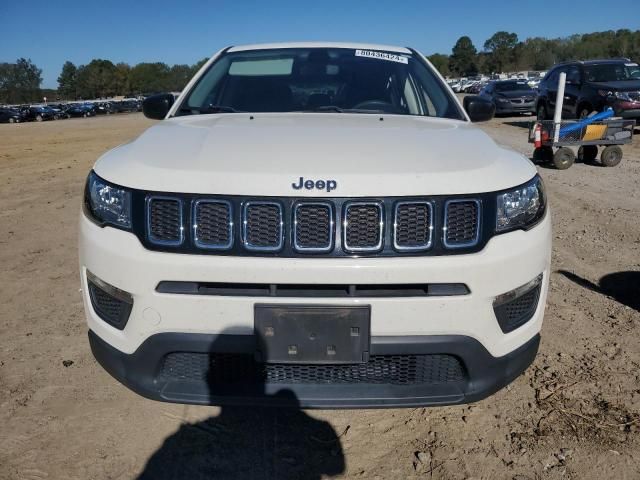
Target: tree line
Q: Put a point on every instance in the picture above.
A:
(102, 78)
(20, 81)
(503, 52)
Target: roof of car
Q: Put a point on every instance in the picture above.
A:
(595, 61)
(361, 46)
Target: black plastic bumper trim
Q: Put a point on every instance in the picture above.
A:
(312, 290)
(485, 374)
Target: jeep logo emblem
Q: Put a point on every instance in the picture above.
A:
(327, 185)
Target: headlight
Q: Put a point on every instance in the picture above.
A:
(108, 203)
(521, 207)
(622, 96)
(502, 100)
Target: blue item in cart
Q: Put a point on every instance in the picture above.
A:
(608, 113)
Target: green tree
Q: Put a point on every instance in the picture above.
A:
(463, 57)
(67, 81)
(97, 79)
(149, 77)
(501, 46)
(20, 82)
(441, 62)
(178, 77)
(122, 85)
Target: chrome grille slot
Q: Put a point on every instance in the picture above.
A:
(363, 227)
(262, 226)
(213, 224)
(164, 221)
(313, 227)
(462, 223)
(413, 226)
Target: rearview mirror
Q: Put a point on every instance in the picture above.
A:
(157, 106)
(478, 108)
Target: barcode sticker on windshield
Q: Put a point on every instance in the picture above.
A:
(391, 57)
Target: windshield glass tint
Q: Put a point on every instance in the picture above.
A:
(320, 79)
(512, 86)
(611, 72)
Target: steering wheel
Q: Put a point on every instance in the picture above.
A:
(375, 105)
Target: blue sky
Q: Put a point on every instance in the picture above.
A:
(184, 31)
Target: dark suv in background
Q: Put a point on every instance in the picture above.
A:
(591, 86)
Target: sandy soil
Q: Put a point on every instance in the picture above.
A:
(574, 414)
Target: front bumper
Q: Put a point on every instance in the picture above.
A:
(516, 108)
(462, 327)
(146, 373)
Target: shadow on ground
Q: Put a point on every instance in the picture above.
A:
(520, 124)
(623, 287)
(248, 442)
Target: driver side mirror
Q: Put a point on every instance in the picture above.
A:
(157, 106)
(478, 108)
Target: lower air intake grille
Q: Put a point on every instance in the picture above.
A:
(313, 227)
(164, 221)
(518, 311)
(229, 369)
(363, 227)
(462, 221)
(262, 226)
(109, 308)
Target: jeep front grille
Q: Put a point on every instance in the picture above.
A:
(363, 227)
(313, 227)
(413, 226)
(213, 224)
(295, 227)
(462, 223)
(262, 226)
(164, 221)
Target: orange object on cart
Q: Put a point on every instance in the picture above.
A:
(594, 132)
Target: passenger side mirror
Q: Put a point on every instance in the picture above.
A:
(478, 108)
(157, 106)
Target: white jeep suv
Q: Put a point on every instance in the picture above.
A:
(317, 225)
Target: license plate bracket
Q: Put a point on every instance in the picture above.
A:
(312, 334)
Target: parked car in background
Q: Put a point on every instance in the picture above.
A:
(592, 85)
(104, 108)
(126, 106)
(11, 115)
(38, 114)
(81, 110)
(58, 111)
(511, 96)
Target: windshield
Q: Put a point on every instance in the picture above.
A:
(512, 86)
(612, 72)
(320, 79)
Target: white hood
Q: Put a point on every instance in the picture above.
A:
(264, 154)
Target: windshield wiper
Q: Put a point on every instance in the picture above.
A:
(325, 108)
(209, 109)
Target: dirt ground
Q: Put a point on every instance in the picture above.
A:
(574, 414)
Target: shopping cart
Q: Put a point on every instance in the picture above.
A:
(609, 134)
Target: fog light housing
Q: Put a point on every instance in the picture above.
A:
(516, 307)
(110, 303)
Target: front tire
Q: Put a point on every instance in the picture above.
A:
(541, 112)
(39, 118)
(611, 156)
(564, 158)
(12, 120)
